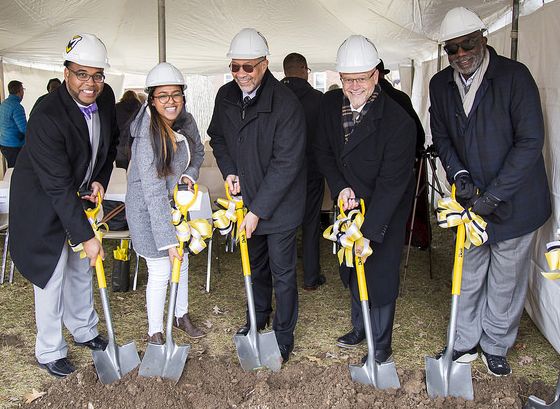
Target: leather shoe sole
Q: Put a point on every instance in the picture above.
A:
(96, 344)
(351, 339)
(59, 368)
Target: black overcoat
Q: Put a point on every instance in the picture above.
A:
(266, 149)
(45, 210)
(377, 163)
(500, 143)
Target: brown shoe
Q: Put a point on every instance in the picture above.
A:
(184, 323)
(156, 339)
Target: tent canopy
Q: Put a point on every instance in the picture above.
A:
(199, 31)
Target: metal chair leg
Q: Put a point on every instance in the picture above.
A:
(135, 281)
(209, 264)
(4, 256)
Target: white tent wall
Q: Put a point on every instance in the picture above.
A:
(536, 32)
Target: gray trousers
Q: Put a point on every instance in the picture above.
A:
(495, 279)
(66, 299)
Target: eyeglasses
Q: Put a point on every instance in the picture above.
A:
(360, 80)
(164, 98)
(84, 76)
(248, 68)
(466, 45)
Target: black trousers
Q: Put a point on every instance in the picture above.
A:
(381, 316)
(10, 154)
(311, 229)
(273, 265)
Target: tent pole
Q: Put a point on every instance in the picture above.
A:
(514, 29)
(161, 30)
(438, 57)
(2, 96)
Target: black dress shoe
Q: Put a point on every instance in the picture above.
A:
(285, 351)
(381, 356)
(59, 368)
(352, 339)
(244, 330)
(96, 344)
(320, 281)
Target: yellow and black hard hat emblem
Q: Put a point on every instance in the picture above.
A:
(72, 43)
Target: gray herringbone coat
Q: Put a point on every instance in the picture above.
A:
(148, 208)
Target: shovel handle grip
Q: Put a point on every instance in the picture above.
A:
(244, 250)
(176, 269)
(361, 275)
(100, 273)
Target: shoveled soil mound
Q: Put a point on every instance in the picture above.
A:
(208, 383)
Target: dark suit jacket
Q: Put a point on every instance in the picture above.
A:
(500, 143)
(377, 163)
(266, 150)
(45, 210)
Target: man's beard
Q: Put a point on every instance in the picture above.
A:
(477, 60)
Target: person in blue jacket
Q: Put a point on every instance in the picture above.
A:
(13, 123)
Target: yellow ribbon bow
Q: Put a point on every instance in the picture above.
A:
(121, 252)
(346, 232)
(193, 232)
(553, 259)
(225, 220)
(451, 214)
(99, 229)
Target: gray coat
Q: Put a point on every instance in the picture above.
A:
(148, 208)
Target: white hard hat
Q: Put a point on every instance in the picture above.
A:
(165, 74)
(356, 54)
(458, 22)
(248, 44)
(86, 49)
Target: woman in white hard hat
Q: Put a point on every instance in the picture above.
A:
(166, 150)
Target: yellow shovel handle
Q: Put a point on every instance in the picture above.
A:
(243, 243)
(458, 263)
(176, 269)
(360, 273)
(100, 273)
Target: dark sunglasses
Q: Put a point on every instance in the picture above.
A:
(248, 68)
(465, 45)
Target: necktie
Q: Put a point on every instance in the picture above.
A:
(244, 105)
(89, 110)
(355, 115)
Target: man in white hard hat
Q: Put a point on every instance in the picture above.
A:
(367, 152)
(258, 137)
(487, 127)
(297, 72)
(71, 145)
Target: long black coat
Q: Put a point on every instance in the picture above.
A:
(45, 210)
(266, 150)
(500, 143)
(377, 163)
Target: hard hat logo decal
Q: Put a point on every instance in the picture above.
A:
(72, 43)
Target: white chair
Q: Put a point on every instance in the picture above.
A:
(4, 209)
(203, 210)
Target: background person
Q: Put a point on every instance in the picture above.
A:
(70, 146)
(13, 123)
(487, 127)
(166, 150)
(257, 133)
(126, 108)
(53, 84)
(297, 74)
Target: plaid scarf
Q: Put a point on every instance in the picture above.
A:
(348, 123)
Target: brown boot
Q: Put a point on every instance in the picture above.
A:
(156, 339)
(184, 323)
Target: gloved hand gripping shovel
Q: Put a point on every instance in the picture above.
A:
(115, 361)
(536, 403)
(384, 375)
(445, 377)
(168, 360)
(255, 350)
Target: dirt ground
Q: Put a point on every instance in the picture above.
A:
(317, 374)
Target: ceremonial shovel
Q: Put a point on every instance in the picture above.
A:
(536, 403)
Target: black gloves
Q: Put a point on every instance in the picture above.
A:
(485, 204)
(464, 188)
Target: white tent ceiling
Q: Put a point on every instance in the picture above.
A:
(199, 31)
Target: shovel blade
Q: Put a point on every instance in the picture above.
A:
(265, 354)
(381, 376)
(536, 403)
(456, 381)
(115, 362)
(166, 361)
